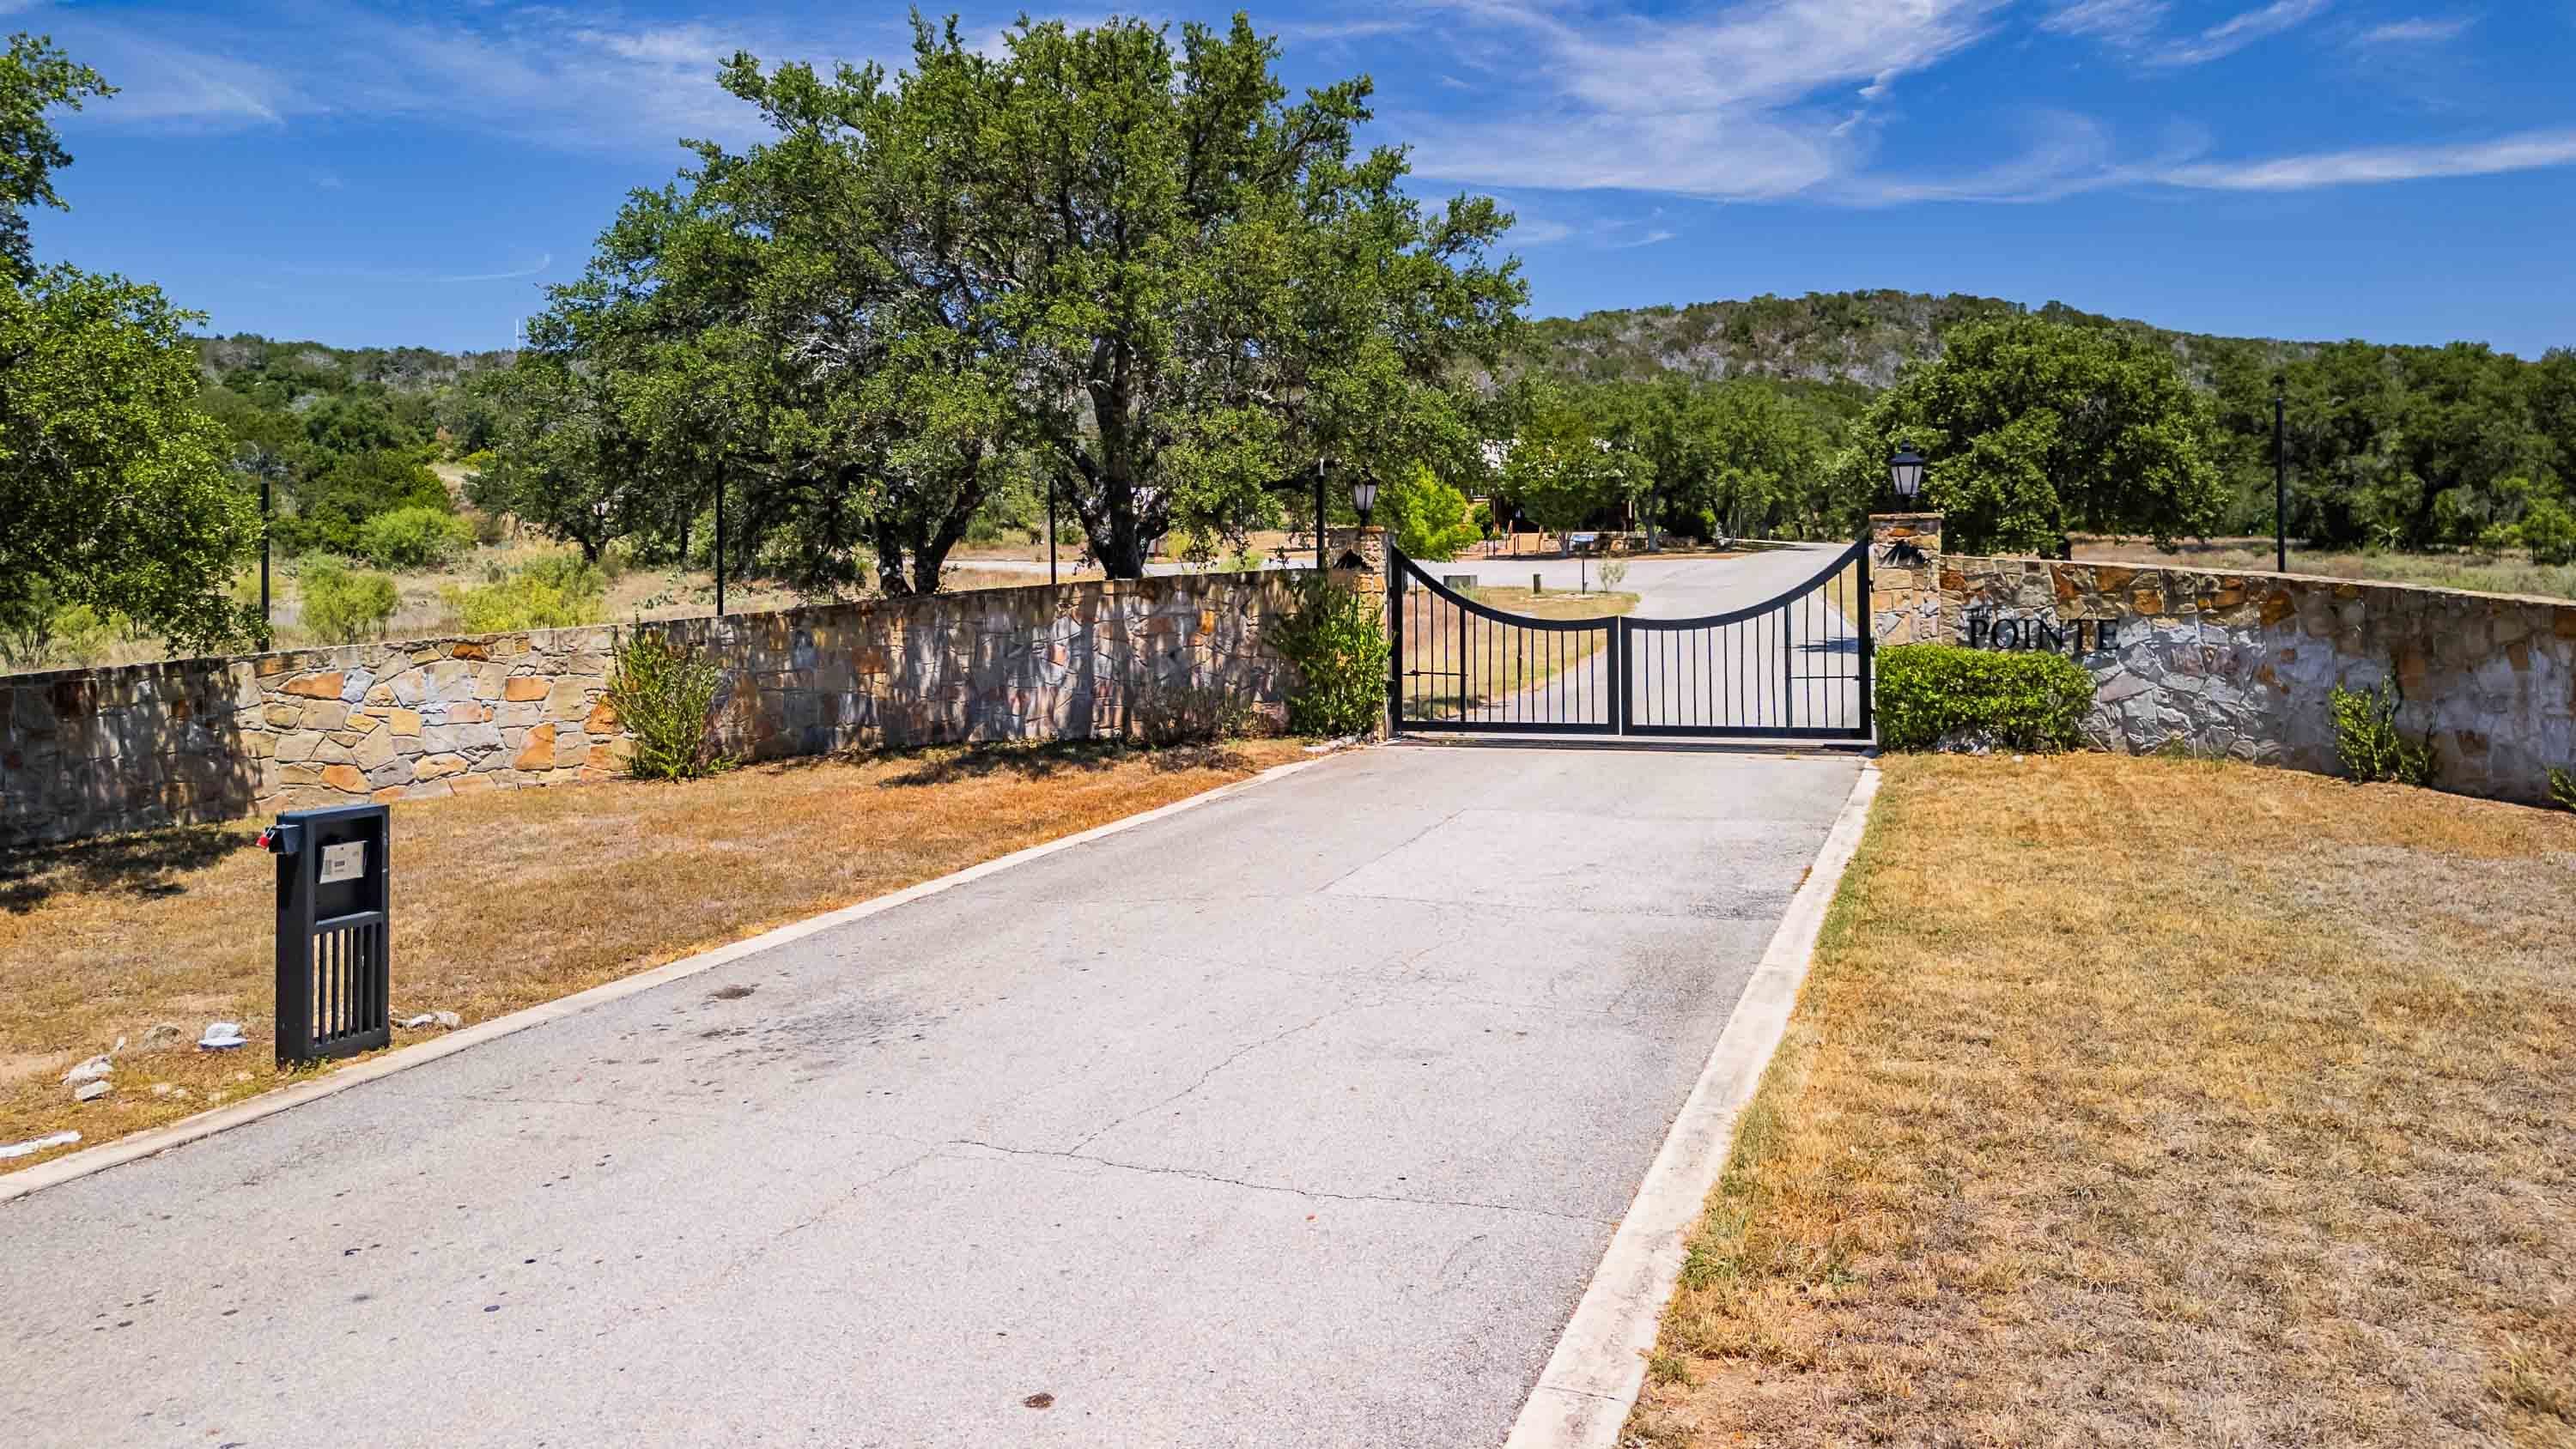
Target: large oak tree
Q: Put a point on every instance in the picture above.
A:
(1137, 269)
(2035, 429)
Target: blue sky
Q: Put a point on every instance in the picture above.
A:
(2403, 170)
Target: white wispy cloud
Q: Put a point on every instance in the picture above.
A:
(565, 78)
(417, 275)
(1723, 102)
(1649, 239)
(163, 81)
(2064, 153)
(1537, 233)
(544, 260)
(2135, 28)
(2526, 151)
(2124, 23)
(2422, 30)
(2237, 32)
(1321, 31)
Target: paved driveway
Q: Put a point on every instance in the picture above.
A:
(1297, 1119)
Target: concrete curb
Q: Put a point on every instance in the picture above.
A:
(154, 1140)
(1584, 1394)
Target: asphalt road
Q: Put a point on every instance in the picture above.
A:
(1298, 1119)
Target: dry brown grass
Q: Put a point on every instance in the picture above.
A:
(2157, 1102)
(508, 898)
(2510, 572)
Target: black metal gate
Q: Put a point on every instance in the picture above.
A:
(1794, 666)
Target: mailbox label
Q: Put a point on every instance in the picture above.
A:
(345, 861)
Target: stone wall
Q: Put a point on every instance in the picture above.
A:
(1904, 587)
(87, 752)
(2242, 663)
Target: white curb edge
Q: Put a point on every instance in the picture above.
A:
(153, 1140)
(1583, 1396)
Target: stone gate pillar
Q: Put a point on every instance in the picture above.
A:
(1905, 577)
(1362, 553)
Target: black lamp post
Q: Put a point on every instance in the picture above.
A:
(267, 474)
(2280, 480)
(1320, 465)
(1363, 495)
(1905, 470)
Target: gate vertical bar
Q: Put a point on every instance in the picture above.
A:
(1619, 667)
(1868, 626)
(1788, 671)
(1395, 640)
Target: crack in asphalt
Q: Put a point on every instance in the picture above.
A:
(1203, 1077)
(1306, 1192)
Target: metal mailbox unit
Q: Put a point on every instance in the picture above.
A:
(334, 970)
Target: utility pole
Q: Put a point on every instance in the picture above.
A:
(267, 471)
(1050, 530)
(720, 544)
(2280, 482)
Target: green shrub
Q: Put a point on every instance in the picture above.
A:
(2022, 700)
(2562, 788)
(2367, 740)
(1429, 518)
(414, 538)
(2549, 531)
(38, 631)
(665, 696)
(343, 605)
(552, 593)
(1335, 635)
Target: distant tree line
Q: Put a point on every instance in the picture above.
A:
(2387, 446)
(344, 436)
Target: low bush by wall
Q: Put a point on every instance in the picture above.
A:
(89, 752)
(1934, 696)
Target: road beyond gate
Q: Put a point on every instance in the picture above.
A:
(1301, 1118)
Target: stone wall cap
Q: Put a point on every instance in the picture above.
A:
(1971, 560)
(331, 656)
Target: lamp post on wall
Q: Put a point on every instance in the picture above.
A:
(1905, 474)
(2280, 479)
(1905, 471)
(1363, 495)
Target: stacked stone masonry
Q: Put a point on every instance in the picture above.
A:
(89, 752)
(1904, 590)
(2242, 664)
